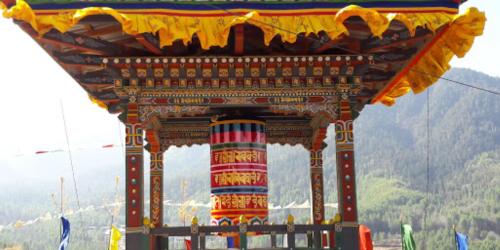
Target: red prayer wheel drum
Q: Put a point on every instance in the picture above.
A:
(238, 172)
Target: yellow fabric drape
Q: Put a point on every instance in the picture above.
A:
(457, 40)
(214, 31)
(97, 102)
(114, 239)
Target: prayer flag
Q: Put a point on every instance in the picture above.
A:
(114, 238)
(407, 238)
(230, 242)
(365, 238)
(188, 244)
(462, 241)
(65, 234)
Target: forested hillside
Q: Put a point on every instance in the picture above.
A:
(391, 162)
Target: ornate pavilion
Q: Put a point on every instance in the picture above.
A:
(239, 75)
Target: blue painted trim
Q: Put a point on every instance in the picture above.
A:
(239, 190)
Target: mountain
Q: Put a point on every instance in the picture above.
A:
(391, 161)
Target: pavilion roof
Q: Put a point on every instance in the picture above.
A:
(211, 23)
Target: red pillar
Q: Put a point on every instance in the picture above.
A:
(156, 194)
(134, 180)
(156, 189)
(317, 192)
(346, 176)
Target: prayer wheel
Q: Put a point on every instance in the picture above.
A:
(238, 172)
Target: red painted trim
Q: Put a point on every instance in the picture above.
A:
(9, 3)
(413, 62)
(261, 14)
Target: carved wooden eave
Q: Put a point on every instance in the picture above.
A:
(106, 62)
(272, 78)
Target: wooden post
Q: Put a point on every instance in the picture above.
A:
(202, 241)
(195, 230)
(134, 181)
(164, 243)
(243, 232)
(290, 229)
(273, 239)
(309, 239)
(346, 178)
(317, 238)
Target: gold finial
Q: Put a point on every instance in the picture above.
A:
(146, 221)
(243, 219)
(337, 218)
(194, 220)
(290, 219)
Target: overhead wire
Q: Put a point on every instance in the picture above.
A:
(114, 210)
(70, 155)
(458, 82)
(427, 169)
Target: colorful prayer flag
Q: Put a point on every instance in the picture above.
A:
(407, 237)
(65, 234)
(114, 238)
(462, 241)
(230, 242)
(365, 238)
(188, 244)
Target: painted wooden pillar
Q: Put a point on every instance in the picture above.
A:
(156, 194)
(134, 180)
(152, 126)
(156, 189)
(317, 192)
(346, 178)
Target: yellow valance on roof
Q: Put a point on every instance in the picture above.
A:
(213, 30)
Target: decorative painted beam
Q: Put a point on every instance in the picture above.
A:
(239, 39)
(240, 72)
(395, 39)
(103, 31)
(74, 41)
(283, 133)
(150, 43)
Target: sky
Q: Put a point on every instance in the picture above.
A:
(33, 87)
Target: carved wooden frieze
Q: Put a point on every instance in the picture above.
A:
(249, 72)
(291, 133)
